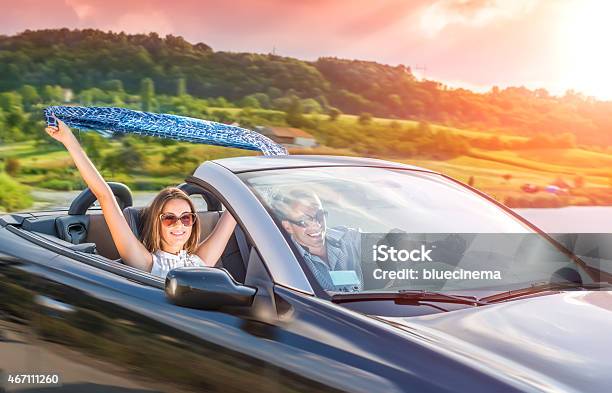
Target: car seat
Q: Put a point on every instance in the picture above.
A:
(234, 258)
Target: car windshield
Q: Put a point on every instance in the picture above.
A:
(380, 229)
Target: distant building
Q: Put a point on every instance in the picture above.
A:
(289, 136)
(67, 95)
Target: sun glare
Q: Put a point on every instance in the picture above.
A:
(585, 44)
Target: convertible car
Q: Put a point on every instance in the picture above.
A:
(261, 320)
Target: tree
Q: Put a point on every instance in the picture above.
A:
(295, 115)
(10, 101)
(221, 116)
(86, 98)
(147, 95)
(112, 162)
(30, 96)
(365, 118)
(274, 92)
(334, 113)
(52, 94)
(178, 158)
(11, 134)
(128, 159)
(12, 166)
(15, 118)
(249, 102)
(394, 103)
(310, 105)
(219, 102)
(181, 86)
(263, 99)
(166, 141)
(113, 85)
(94, 144)
(282, 103)
(116, 100)
(13, 195)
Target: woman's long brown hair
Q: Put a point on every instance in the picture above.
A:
(152, 225)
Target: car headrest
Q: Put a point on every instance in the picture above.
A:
(135, 219)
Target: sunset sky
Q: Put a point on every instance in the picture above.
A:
(554, 44)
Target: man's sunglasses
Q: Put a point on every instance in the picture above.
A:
(169, 219)
(319, 216)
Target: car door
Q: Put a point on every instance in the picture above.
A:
(18, 352)
(16, 331)
(107, 330)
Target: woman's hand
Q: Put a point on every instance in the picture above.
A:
(60, 133)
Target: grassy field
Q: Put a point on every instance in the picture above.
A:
(353, 119)
(348, 120)
(500, 173)
(33, 160)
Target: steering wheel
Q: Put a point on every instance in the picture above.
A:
(86, 198)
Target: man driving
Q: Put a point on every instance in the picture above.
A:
(332, 254)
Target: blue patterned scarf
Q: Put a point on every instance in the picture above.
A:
(160, 125)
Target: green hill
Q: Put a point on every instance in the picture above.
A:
(86, 59)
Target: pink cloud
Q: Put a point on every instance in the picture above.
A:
(32, 14)
(475, 13)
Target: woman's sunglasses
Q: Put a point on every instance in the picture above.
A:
(169, 219)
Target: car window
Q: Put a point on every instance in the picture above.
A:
(341, 219)
(380, 200)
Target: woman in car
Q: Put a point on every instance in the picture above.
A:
(171, 232)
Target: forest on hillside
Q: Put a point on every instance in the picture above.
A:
(92, 62)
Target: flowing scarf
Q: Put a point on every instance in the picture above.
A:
(181, 128)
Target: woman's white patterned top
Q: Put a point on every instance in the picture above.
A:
(163, 261)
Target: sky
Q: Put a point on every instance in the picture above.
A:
(553, 44)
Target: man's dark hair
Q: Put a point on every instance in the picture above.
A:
(283, 203)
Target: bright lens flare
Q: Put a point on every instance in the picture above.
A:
(585, 41)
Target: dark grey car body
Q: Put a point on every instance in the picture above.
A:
(102, 325)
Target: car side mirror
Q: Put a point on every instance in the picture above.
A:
(206, 288)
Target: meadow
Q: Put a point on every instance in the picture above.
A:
(500, 172)
(527, 148)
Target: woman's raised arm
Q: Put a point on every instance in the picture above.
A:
(211, 249)
(131, 250)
